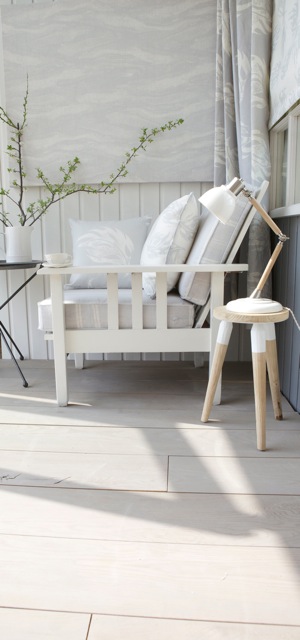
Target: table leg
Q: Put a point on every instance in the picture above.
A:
(3, 329)
(223, 338)
(8, 340)
(258, 346)
(273, 372)
(25, 383)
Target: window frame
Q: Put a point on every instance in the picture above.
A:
(290, 123)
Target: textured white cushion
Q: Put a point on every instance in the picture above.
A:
(87, 309)
(113, 242)
(212, 244)
(170, 239)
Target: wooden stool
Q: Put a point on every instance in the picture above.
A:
(264, 353)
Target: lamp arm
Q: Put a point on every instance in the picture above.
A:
(281, 239)
(264, 277)
(266, 217)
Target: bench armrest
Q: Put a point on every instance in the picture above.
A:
(133, 268)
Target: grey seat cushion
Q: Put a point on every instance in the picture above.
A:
(87, 309)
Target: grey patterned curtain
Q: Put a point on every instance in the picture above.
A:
(244, 30)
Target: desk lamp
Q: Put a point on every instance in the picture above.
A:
(221, 201)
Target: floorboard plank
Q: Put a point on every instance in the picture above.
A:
(113, 627)
(18, 624)
(212, 440)
(151, 517)
(178, 398)
(156, 580)
(235, 475)
(81, 470)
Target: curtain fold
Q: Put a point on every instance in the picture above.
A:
(244, 32)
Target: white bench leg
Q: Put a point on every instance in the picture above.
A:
(79, 359)
(58, 325)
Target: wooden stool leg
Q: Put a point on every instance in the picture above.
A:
(258, 345)
(223, 338)
(272, 366)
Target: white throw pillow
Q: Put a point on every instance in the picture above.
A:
(170, 240)
(212, 245)
(114, 242)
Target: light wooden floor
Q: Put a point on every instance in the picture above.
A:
(122, 516)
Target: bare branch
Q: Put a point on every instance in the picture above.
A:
(66, 186)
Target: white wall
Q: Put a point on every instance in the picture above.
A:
(99, 71)
(131, 199)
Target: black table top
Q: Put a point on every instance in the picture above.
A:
(19, 265)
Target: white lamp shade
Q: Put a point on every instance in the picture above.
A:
(220, 201)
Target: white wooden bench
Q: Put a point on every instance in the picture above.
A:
(136, 339)
(105, 330)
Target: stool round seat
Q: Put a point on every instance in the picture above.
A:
(264, 356)
(222, 313)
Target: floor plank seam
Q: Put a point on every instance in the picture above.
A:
(89, 627)
(165, 618)
(147, 542)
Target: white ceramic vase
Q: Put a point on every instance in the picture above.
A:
(18, 244)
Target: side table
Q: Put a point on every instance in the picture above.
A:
(264, 355)
(4, 333)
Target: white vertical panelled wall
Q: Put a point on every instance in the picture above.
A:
(53, 234)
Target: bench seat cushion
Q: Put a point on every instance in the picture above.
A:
(87, 309)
